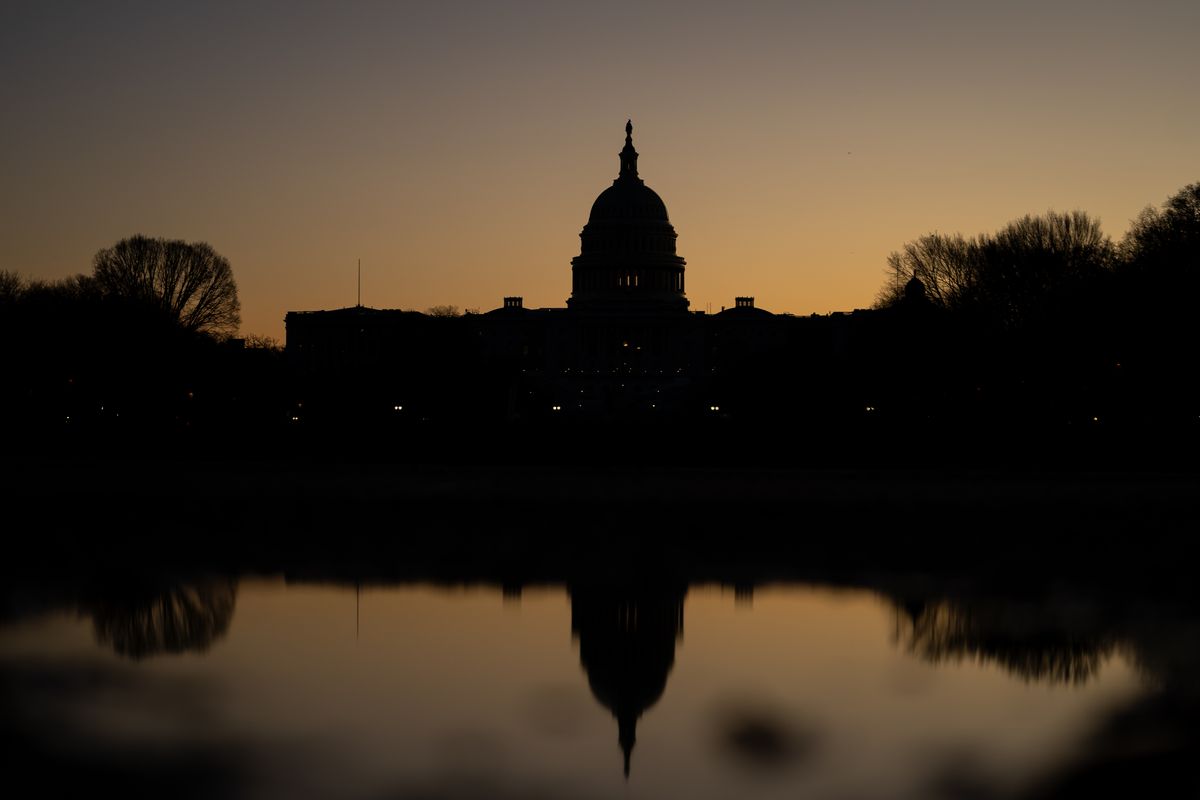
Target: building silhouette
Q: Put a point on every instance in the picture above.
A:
(627, 262)
(625, 345)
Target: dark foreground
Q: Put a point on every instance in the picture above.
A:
(1047, 574)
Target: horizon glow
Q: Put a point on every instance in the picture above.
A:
(456, 148)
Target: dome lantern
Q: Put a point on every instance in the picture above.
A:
(629, 156)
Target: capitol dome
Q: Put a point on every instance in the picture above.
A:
(628, 201)
(627, 259)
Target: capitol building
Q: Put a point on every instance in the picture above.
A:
(626, 345)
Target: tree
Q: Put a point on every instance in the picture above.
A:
(944, 264)
(254, 341)
(11, 287)
(443, 311)
(1025, 272)
(1036, 268)
(1163, 246)
(1159, 281)
(189, 282)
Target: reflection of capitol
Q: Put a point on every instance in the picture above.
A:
(627, 648)
(628, 634)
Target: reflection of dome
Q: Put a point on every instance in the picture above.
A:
(627, 649)
(627, 254)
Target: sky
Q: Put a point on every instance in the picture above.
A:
(456, 147)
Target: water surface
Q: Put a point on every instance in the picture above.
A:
(259, 687)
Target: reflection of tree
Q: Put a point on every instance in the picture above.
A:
(1148, 747)
(177, 619)
(1165, 648)
(627, 648)
(1027, 641)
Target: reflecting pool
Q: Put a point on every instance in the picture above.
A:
(261, 686)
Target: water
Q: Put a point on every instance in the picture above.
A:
(373, 631)
(260, 687)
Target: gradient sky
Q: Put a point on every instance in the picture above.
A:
(456, 147)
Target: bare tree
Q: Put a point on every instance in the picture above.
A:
(1159, 279)
(443, 311)
(1010, 277)
(190, 282)
(944, 264)
(1166, 243)
(256, 341)
(11, 286)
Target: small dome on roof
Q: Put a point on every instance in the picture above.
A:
(914, 290)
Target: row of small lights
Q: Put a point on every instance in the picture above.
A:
(714, 409)
(652, 405)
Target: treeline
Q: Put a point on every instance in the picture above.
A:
(1043, 326)
(141, 346)
(1052, 319)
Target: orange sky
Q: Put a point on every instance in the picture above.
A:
(456, 147)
